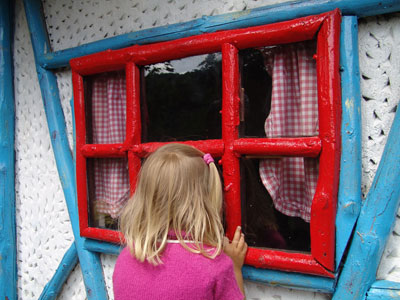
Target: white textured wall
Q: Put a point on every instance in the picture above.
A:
(379, 54)
(43, 227)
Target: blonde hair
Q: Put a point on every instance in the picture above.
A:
(176, 191)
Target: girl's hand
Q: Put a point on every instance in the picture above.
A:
(236, 249)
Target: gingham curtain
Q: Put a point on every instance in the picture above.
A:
(111, 177)
(291, 181)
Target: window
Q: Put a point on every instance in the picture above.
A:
(236, 135)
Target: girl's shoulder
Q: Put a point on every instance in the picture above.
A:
(124, 257)
(124, 253)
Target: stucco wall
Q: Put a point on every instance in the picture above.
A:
(43, 227)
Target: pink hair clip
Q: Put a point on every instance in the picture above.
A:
(208, 158)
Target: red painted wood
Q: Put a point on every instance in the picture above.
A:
(285, 261)
(130, 98)
(103, 150)
(323, 210)
(107, 235)
(214, 147)
(304, 147)
(327, 145)
(230, 132)
(105, 61)
(134, 164)
(133, 116)
(80, 140)
(264, 35)
(134, 123)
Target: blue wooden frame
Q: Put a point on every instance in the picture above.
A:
(348, 203)
(8, 249)
(383, 290)
(375, 222)
(89, 261)
(349, 197)
(68, 263)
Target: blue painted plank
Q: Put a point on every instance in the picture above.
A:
(89, 261)
(386, 284)
(257, 16)
(102, 247)
(374, 224)
(8, 253)
(349, 196)
(289, 280)
(383, 294)
(67, 264)
(384, 289)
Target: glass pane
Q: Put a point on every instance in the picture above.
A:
(181, 99)
(279, 95)
(276, 201)
(105, 108)
(256, 87)
(108, 190)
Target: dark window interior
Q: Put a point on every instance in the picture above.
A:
(256, 87)
(263, 225)
(182, 99)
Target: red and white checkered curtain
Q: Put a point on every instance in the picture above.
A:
(111, 177)
(291, 181)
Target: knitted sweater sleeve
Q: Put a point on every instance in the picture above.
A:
(226, 287)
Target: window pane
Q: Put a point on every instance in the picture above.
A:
(181, 99)
(279, 95)
(105, 101)
(256, 87)
(275, 203)
(108, 190)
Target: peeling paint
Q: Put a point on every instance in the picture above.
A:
(349, 103)
(54, 135)
(239, 14)
(361, 236)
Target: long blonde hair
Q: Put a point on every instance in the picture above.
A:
(176, 191)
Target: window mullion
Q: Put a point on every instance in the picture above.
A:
(103, 150)
(80, 141)
(323, 209)
(230, 123)
(304, 147)
(133, 120)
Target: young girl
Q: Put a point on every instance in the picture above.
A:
(174, 235)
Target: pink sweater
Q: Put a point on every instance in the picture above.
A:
(183, 275)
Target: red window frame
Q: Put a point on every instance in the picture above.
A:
(326, 28)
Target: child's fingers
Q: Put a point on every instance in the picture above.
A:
(237, 235)
(241, 242)
(225, 242)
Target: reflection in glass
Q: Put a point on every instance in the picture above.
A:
(108, 190)
(181, 99)
(264, 226)
(105, 101)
